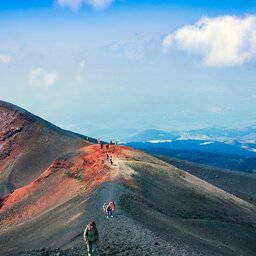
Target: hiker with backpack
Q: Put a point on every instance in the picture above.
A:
(91, 237)
(110, 208)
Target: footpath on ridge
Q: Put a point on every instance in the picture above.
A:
(121, 235)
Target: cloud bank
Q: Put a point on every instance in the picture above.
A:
(41, 78)
(76, 4)
(220, 41)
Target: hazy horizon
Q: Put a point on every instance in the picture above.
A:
(91, 65)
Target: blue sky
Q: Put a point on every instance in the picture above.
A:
(90, 65)
(19, 4)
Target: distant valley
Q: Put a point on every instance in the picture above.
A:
(229, 150)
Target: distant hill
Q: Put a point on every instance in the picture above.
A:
(220, 147)
(217, 154)
(222, 133)
(245, 135)
(153, 136)
(201, 146)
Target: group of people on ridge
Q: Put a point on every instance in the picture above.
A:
(108, 157)
(91, 235)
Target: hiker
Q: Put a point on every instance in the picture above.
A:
(98, 140)
(110, 209)
(101, 146)
(107, 147)
(91, 237)
(110, 160)
(107, 155)
(113, 206)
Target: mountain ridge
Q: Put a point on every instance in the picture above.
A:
(161, 209)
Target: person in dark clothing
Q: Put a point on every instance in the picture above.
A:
(107, 147)
(101, 146)
(107, 155)
(91, 237)
(110, 160)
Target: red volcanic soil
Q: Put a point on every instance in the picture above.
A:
(63, 180)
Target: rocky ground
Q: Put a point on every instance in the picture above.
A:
(150, 221)
(120, 235)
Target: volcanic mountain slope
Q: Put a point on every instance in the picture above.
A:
(28, 145)
(60, 182)
(161, 210)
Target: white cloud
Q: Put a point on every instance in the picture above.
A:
(76, 4)
(41, 78)
(80, 72)
(220, 41)
(5, 58)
